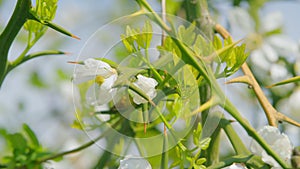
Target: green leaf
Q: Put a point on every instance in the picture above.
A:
(204, 143)
(44, 10)
(169, 47)
(187, 35)
(217, 42)
(202, 47)
(34, 140)
(17, 141)
(197, 134)
(291, 80)
(200, 161)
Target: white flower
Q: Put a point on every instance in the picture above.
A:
(147, 85)
(134, 163)
(92, 67)
(236, 166)
(280, 143)
(266, 47)
(101, 92)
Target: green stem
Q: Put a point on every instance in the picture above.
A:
(229, 107)
(16, 63)
(164, 156)
(235, 140)
(16, 22)
(163, 119)
(30, 44)
(153, 70)
(84, 146)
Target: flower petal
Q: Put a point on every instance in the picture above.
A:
(147, 85)
(269, 52)
(92, 67)
(134, 163)
(280, 143)
(106, 92)
(258, 59)
(236, 166)
(283, 45)
(272, 21)
(241, 18)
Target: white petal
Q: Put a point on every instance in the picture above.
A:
(269, 52)
(283, 45)
(99, 95)
(106, 92)
(93, 67)
(147, 85)
(236, 166)
(258, 59)
(241, 18)
(272, 21)
(278, 72)
(134, 163)
(280, 143)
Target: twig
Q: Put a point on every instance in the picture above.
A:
(272, 114)
(86, 145)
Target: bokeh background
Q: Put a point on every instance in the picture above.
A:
(39, 92)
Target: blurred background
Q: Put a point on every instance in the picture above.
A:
(39, 92)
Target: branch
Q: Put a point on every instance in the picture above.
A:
(16, 63)
(272, 114)
(13, 27)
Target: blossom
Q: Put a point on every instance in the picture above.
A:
(147, 85)
(266, 42)
(103, 74)
(134, 163)
(279, 142)
(236, 166)
(92, 67)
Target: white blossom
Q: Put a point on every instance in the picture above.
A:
(266, 48)
(92, 67)
(279, 142)
(105, 76)
(147, 85)
(235, 166)
(134, 163)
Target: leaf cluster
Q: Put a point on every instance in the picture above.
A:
(26, 149)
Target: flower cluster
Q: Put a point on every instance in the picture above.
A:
(266, 42)
(105, 77)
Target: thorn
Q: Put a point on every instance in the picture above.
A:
(241, 79)
(74, 62)
(67, 53)
(281, 117)
(231, 121)
(165, 130)
(76, 37)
